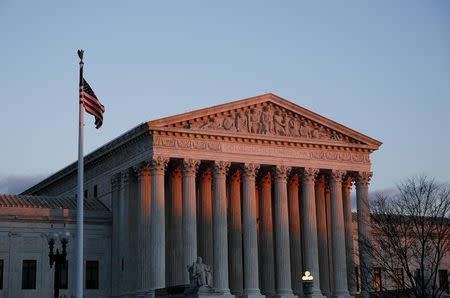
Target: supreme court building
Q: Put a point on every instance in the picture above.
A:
(259, 188)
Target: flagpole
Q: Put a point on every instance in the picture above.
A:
(80, 209)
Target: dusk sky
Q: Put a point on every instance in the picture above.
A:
(379, 67)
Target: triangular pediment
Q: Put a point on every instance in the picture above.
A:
(266, 115)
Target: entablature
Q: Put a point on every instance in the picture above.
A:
(177, 143)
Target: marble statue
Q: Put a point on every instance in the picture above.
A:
(199, 276)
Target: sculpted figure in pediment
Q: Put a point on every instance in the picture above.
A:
(266, 126)
(229, 123)
(241, 121)
(303, 130)
(267, 120)
(279, 122)
(292, 125)
(253, 120)
(211, 123)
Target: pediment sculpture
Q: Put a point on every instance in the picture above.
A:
(268, 119)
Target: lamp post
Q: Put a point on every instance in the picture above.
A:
(57, 258)
(307, 284)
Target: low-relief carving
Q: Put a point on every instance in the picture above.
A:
(185, 144)
(268, 120)
(353, 157)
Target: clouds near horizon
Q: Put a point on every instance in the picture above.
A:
(15, 184)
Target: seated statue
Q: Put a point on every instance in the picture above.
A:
(199, 275)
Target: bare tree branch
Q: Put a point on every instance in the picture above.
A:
(411, 236)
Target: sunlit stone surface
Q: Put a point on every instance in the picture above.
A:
(242, 185)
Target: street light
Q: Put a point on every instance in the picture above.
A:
(57, 258)
(307, 283)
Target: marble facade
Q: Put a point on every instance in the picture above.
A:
(25, 229)
(259, 188)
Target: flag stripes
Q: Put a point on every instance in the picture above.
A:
(91, 103)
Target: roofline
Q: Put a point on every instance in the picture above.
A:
(375, 144)
(101, 151)
(147, 126)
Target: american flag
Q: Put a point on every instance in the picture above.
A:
(91, 103)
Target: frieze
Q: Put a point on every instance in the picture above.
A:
(268, 119)
(186, 144)
(228, 147)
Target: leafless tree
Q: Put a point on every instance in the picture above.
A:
(410, 237)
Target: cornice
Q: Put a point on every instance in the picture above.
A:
(95, 157)
(261, 99)
(155, 127)
(258, 139)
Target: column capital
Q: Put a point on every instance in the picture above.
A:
(336, 176)
(126, 176)
(115, 181)
(206, 173)
(175, 172)
(347, 183)
(309, 174)
(266, 178)
(363, 178)
(320, 181)
(294, 179)
(250, 169)
(190, 166)
(221, 167)
(142, 169)
(159, 163)
(282, 172)
(236, 175)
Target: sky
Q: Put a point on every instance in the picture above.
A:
(379, 67)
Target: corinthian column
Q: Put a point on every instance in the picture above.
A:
(174, 252)
(267, 260)
(235, 234)
(116, 234)
(364, 231)
(347, 204)
(283, 260)
(295, 235)
(309, 223)
(124, 232)
(157, 234)
(132, 229)
(321, 214)
(143, 227)
(220, 243)
(330, 275)
(251, 283)
(205, 234)
(340, 288)
(189, 216)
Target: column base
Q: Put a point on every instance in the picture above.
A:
(314, 294)
(209, 295)
(252, 293)
(364, 294)
(341, 294)
(149, 294)
(284, 295)
(206, 292)
(140, 294)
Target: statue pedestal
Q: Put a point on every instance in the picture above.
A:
(207, 292)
